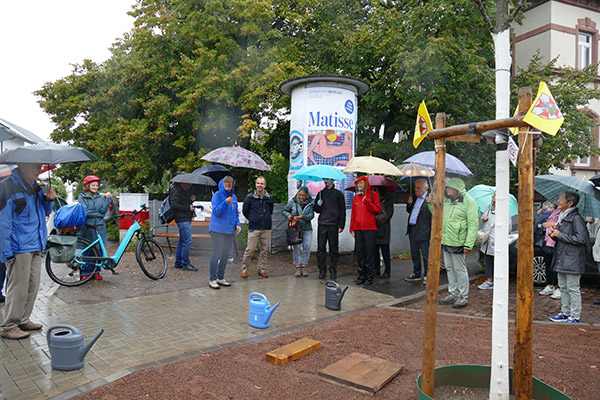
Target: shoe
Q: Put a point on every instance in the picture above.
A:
(597, 302)
(189, 268)
(263, 273)
(333, 276)
(178, 266)
(214, 285)
(98, 277)
(424, 281)
(412, 278)
(360, 281)
(304, 272)
(368, 283)
(30, 326)
(450, 299)
(487, 285)
(230, 259)
(14, 334)
(556, 294)
(573, 320)
(244, 273)
(385, 275)
(83, 277)
(461, 302)
(298, 272)
(223, 282)
(560, 317)
(322, 275)
(547, 291)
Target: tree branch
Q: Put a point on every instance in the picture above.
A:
(484, 14)
(516, 11)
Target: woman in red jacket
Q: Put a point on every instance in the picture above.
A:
(363, 228)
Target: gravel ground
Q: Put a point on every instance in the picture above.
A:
(393, 334)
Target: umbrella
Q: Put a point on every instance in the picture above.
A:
(371, 165)
(413, 170)
(453, 164)
(215, 171)
(482, 194)
(237, 157)
(551, 186)
(194, 179)
(6, 170)
(319, 172)
(380, 181)
(595, 180)
(46, 153)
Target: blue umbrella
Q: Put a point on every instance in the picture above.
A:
(482, 194)
(319, 172)
(453, 164)
(551, 186)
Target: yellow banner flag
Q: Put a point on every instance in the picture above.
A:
(544, 113)
(515, 131)
(423, 125)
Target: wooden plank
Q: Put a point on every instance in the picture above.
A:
(292, 351)
(361, 372)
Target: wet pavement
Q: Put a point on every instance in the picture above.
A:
(157, 329)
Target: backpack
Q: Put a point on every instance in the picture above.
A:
(70, 215)
(165, 213)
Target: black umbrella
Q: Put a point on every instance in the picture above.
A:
(46, 153)
(595, 180)
(215, 171)
(200, 183)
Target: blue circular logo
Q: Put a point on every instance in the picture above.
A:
(349, 106)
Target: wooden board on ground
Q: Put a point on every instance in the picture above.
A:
(292, 351)
(362, 372)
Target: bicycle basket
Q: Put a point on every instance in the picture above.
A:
(61, 247)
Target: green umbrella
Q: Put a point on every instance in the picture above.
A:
(551, 186)
(482, 194)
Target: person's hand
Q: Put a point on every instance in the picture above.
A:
(554, 232)
(193, 197)
(320, 203)
(590, 220)
(299, 217)
(50, 194)
(290, 217)
(229, 199)
(238, 229)
(10, 262)
(548, 224)
(107, 194)
(410, 200)
(467, 251)
(340, 230)
(192, 208)
(352, 233)
(429, 198)
(485, 218)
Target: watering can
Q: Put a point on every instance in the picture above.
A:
(260, 311)
(66, 347)
(333, 295)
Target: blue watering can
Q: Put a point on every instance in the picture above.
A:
(260, 311)
(334, 295)
(66, 347)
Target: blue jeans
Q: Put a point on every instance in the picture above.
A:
(182, 254)
(302, 250)
(221, 244)
(2, 276)
(90, 234)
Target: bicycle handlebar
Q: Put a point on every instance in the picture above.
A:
(132, 214)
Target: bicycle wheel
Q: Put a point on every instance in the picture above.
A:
(69, 273)
(151, 258)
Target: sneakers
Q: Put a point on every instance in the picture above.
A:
(412, 278)
(573, 320)
(189, 267)
(461, 302)
(98, 277)
(83, 277)
(298, 272)
(14, 334)
(178, 266)
(547, 291)
(214, 285)
(263, 273)
(385, 275)
(450, 299)
(424, 281)
(30, 326)
(230, 259)
(560, 317)
(244, 273)
(223, 282)
(487, 285)
(556, 294)
(304, 272)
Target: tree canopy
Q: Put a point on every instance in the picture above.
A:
(195, 75)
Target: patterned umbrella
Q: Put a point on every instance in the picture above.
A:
(551, 186)
(237, 157)
(5, 170)
(414, 169)
(453, 164)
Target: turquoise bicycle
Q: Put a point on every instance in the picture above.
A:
(149, 254)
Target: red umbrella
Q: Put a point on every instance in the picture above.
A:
(380, 181)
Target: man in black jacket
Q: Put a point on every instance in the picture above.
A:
(181, 203)
(258, 208)
(330, 205)
(418, 230)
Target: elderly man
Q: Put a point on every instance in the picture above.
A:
(23, 211)
(418, 230)
(459, 232)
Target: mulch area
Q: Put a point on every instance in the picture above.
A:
(565, 357)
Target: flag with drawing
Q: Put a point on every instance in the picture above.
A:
(423, 124)
(544, 113)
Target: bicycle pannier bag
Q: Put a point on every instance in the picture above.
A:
(61, 247)
(165, 213)
(70, 215)
(294, 234)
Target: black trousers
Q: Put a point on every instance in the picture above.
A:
(364, 242)
(327, 234)
(418, 249)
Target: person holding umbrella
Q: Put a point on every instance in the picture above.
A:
(331, 206)
(96, 205)
(23, 211)
(300, 210)
(418, 229)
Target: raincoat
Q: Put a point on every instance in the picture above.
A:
(365, 206)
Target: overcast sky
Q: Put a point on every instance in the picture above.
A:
(40, 39)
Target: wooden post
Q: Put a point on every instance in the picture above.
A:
(435, 252)
(522, 375)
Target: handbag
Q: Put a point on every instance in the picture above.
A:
(382, 217)
(294, 234)
(483, 236)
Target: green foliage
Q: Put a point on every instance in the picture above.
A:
(58, 186)
(112, 230)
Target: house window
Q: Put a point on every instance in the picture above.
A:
(584, 49)
(582, 162)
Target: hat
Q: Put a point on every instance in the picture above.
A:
(89, 179)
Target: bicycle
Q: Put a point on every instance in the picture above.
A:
(148, 252)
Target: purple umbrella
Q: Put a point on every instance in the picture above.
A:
(237, 157)
(453, 164)
(379, 181)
